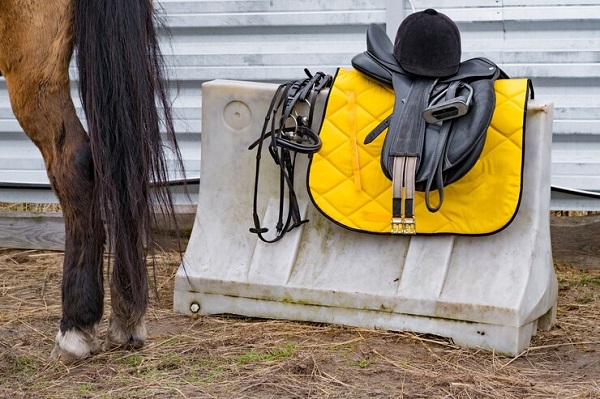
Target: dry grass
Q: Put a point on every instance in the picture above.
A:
(29, 207)
(232, 357)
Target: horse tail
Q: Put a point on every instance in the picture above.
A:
(126, 103)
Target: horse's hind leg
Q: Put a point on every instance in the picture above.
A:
(64, 145)
(49, 119)
(82, 282)
(35, 63)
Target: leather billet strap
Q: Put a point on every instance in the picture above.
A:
(290, 133)
(402, 148)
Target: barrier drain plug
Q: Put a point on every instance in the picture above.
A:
(195, 307)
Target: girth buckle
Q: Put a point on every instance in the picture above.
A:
(397, 226)
(405, 226)
(409, 227)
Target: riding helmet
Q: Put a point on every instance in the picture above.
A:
(428, 44)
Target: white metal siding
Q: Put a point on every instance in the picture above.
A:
(244, 40)
(556, 43)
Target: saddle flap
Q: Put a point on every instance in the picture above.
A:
(468, 131)
(465, 141)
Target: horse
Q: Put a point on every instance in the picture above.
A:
(107, 178)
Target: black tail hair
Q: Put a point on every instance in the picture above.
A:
(126, 102)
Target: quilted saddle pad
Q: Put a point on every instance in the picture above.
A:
(346, 184)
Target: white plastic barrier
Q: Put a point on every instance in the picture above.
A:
(492, 292)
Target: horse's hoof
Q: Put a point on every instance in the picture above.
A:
(130, 344)
(75, 345)
(119, 336)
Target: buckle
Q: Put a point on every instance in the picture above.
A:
(405, 226)
(450, 109)
(397, 226)
(410, 226)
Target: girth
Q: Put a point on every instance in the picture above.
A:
(437, 128)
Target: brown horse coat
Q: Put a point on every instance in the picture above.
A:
(102, 178)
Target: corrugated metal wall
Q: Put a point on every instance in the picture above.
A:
(556, 43)
(244, 40)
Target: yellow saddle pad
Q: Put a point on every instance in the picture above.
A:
(346, 184)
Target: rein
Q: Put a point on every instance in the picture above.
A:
(290, 134)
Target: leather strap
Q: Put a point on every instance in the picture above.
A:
(286, 142)
(439, 155)
(403, 193)
(404, 143)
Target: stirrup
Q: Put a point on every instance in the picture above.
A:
(450, 109)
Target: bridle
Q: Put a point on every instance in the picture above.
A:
(291, 133)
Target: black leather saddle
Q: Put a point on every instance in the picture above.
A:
(437, 129)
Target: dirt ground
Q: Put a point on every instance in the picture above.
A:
(233, 357)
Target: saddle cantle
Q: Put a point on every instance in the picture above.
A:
(437, 129)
